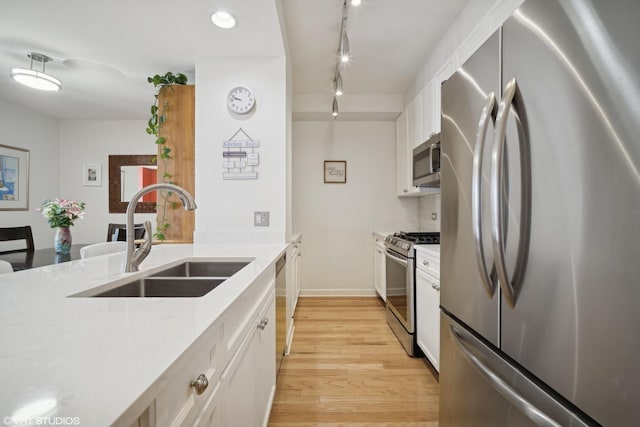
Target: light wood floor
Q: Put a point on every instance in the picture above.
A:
(346, 368)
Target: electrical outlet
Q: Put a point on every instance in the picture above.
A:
(434, 216)
(261, 219)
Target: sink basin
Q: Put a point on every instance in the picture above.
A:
(189, 279)
(203, 269)
(164, 287)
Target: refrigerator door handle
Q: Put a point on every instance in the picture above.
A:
(486, 114)
(497, 164)
(515, 398)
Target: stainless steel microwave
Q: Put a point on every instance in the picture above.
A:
(426, 163)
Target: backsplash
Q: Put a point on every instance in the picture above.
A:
(428, 205)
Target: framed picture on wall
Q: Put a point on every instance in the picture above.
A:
(335, 171)
(14, 178)
(92, 174)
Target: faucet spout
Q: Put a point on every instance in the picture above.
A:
(133, 256)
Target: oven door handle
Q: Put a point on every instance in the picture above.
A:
(396, 258)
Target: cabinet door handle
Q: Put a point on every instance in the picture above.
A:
(200, 384)
(263, 323)
(425, 262)
(435, 286)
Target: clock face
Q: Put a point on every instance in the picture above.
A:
(241, 100)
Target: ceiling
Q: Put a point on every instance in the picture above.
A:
(104, 51)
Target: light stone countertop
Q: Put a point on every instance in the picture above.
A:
(433, 249)
(93, 358)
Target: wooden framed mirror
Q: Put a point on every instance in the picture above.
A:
(121, 188)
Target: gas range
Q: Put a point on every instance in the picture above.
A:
(403, 242)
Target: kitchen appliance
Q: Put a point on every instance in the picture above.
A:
(426, 163)
(281, 309)
(540, 237)
(401, 289)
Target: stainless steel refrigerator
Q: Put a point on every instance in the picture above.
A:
(540, 238)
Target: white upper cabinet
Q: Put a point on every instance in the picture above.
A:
(443, 74)
(428, 112)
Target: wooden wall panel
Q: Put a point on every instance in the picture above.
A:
(178, 103)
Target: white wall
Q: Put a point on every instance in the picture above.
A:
(91, 141)
(37, 133)
(337, 220)
(429, 205)
(226, 207)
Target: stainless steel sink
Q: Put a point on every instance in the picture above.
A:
(164, 287)
(188, 279)
(203, 269)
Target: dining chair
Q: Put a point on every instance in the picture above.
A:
(5, 267)
(102, 248)
(118, 232)
(11, 234)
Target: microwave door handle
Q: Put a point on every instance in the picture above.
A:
(497, 179)
(476, 192)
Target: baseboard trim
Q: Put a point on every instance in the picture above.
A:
(338, 292)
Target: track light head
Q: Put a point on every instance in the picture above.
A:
(334, 109)
(337, 84)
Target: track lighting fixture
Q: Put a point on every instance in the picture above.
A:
(337, 84)
(36, 79)
(344, 54)
(344, 47)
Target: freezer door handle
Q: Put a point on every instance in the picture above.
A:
(515, 398)
(497, 220)
(487, 113)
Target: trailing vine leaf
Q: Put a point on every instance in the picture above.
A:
(154, 124)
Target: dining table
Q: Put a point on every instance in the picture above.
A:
(24, 260)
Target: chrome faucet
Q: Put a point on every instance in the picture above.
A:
(134, 256)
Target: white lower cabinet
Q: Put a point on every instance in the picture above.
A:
(428, 306)
(248, 381)
(294, 257)
(230, 378)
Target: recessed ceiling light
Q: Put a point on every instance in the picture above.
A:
(223, 19)
(356, 2)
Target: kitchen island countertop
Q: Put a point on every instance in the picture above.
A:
(97, 361)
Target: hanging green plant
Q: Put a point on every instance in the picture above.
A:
(154, 125)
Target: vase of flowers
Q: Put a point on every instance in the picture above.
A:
(60, 214)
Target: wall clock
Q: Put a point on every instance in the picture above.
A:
(241, 100)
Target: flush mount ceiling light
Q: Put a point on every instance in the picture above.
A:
(223, 19)
(36, 79)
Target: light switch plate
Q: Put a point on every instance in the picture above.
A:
(261, 219)
(434, 216)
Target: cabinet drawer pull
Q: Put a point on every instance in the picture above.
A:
(200, 384)
(425, 262)
(435, 286)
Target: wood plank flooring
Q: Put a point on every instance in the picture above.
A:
(346, 368)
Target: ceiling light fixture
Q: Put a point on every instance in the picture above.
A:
(343, 54)
(223, 19)
(337, 84)
(36, 79)
(343, 50)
